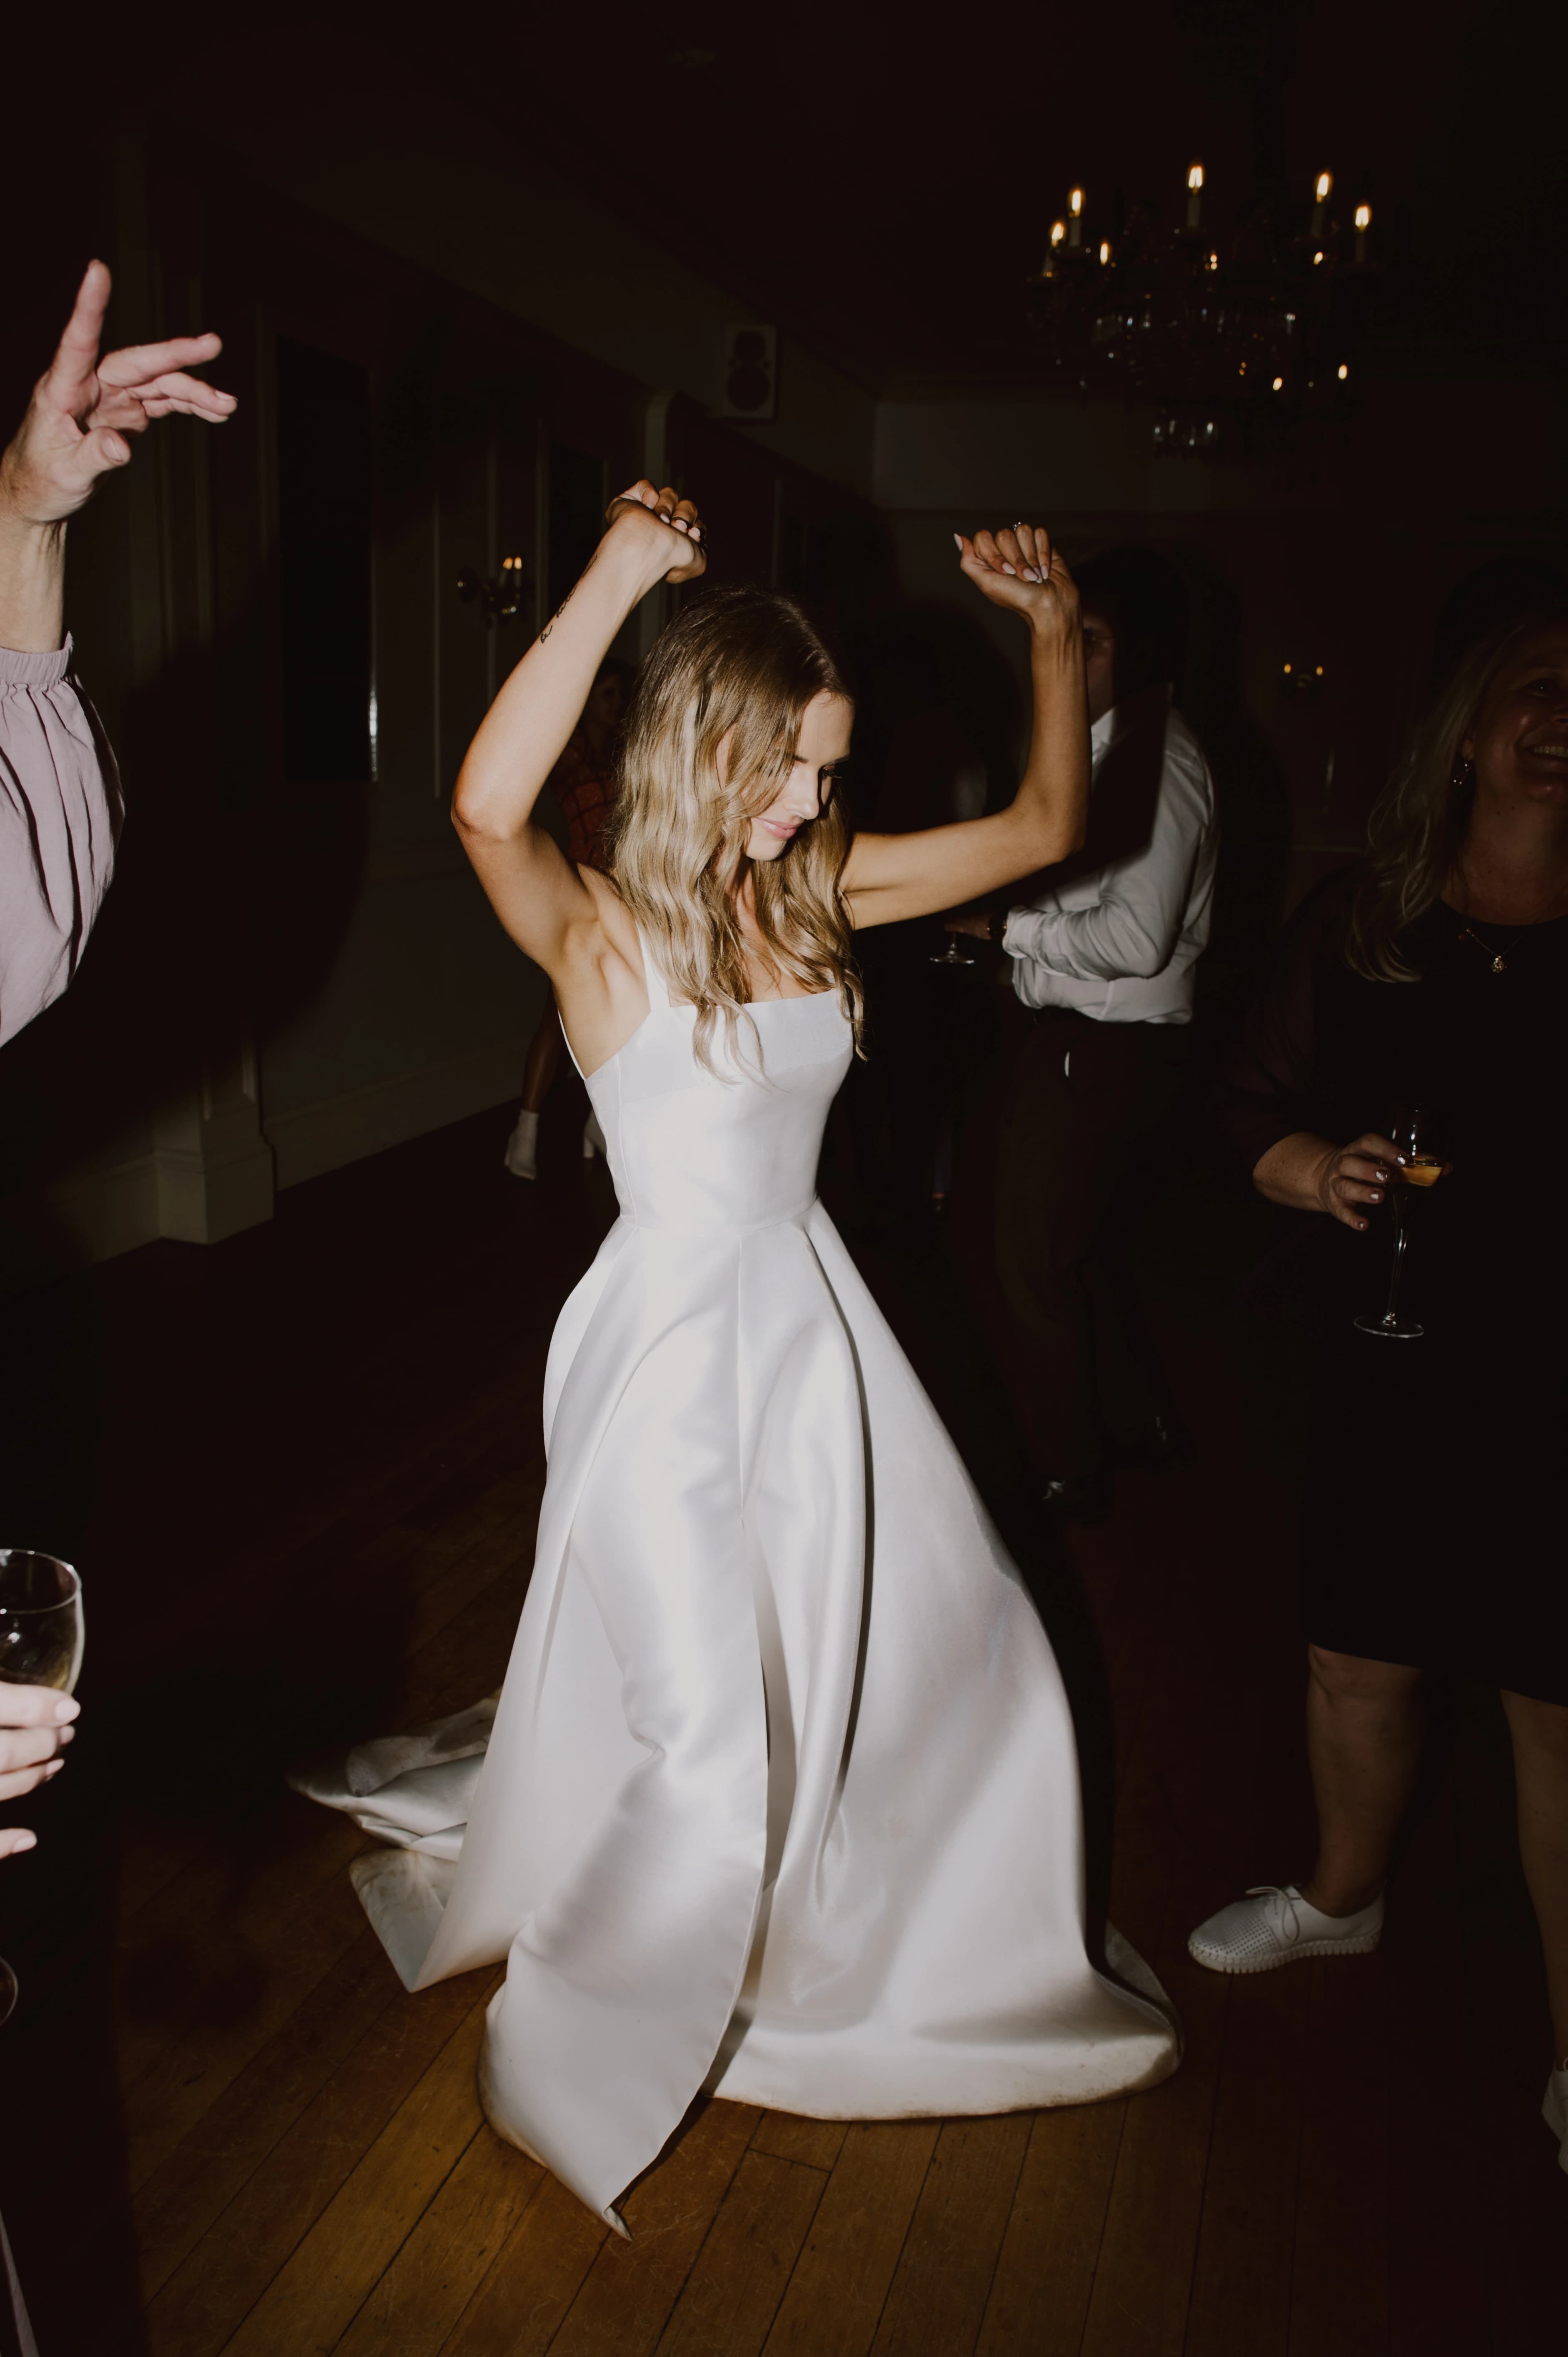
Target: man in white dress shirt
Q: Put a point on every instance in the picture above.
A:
(1104, 958)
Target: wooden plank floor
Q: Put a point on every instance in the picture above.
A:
(307, 1512)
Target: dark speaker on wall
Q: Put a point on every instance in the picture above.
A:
(749, 379)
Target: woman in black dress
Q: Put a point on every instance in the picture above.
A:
(1435, 973)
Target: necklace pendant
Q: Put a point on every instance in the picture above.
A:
(1498, 966)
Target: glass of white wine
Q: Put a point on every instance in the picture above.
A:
(1416, 1134)
(42, 1634)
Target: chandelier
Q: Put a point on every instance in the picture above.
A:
(1230, 347)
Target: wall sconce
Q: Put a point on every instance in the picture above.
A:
(1302, 682)
(500, 600)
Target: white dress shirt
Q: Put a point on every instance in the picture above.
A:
(1119, 942)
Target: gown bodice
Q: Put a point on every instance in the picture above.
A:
(711, 1152)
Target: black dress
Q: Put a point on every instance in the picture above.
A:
(1433, 1529)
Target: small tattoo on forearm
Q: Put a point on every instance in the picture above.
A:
(555, 616)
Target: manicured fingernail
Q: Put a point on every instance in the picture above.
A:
(23, 1840)
(958, 541)
(66, 1709)
(1013, 569)
(1374, 1197)
(53, 1767)
(1030, 573)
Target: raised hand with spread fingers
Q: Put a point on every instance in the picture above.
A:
(83, 418)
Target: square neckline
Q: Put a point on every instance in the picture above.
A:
(661, 1001)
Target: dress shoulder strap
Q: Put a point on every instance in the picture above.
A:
(658, 988)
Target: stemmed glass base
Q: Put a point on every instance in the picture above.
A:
(1398, 1330)
(951, 955)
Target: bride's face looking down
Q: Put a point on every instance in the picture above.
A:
(819, 751)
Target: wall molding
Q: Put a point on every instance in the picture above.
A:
(309, 1140)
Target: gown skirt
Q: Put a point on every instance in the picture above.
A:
(779, 1797)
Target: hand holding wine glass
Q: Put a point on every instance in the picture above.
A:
(34, 1728)
(41, 1640)
(1415, 1132)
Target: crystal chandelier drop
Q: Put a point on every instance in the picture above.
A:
(1231, 346)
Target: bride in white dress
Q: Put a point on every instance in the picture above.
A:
(780, 1798)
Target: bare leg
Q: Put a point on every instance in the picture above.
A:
(543, 1058)
(1365, 1726)
(1541, 1772)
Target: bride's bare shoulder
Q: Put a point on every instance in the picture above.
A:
(615, 920)
(613, 932)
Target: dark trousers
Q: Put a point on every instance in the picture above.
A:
(1081, 1100)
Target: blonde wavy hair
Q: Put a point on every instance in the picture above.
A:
(1417, 829)
(741, 665)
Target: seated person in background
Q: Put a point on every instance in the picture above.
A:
(585, 784)
(1434, 974)
(1104, 959)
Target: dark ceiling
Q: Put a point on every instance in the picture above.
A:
(882, 183)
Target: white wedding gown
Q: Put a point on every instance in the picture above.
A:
(780, 1796)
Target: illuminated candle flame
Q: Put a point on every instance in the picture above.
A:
(1363, 218)
(1059, 231)
(1075, 203)
(1325, 183)
(1343, 372)
(1105, 249)
(1279, 385)
(1317, 258)
(1194, 176)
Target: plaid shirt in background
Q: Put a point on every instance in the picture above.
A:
(586, 794)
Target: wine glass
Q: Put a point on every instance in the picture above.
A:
(1415, 1131)
(952, 954)
(42, 1634)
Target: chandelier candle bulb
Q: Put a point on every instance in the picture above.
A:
(1363, 223)
(1105, 249)
(1343, 372)
(1194, 194)
(1075, 211)
(1059, 231)
(1321, 194)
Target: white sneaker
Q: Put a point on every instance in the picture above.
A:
(1271, 1927)
(594, 1140)
(522, 1147)
(1554, 2110)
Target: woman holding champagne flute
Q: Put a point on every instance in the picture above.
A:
(1419, 1011)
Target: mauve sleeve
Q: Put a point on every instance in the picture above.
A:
(60, 818)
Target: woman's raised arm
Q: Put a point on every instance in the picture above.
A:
(890, 876)
(651, 536)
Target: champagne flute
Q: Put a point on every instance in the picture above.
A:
(42, 1634)
(1415, 1132)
